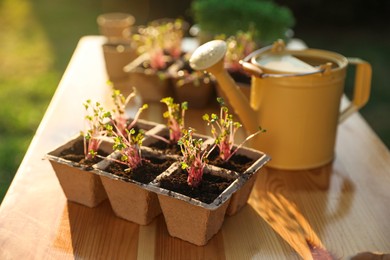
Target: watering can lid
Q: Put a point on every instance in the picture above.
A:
(276, 61)
(284, 63)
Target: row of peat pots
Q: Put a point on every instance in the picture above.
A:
(159, 185)
(177, 80)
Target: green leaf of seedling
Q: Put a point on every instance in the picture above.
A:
(184, 165)
(109, 127)
(214, 117)
(237, 124)
(124, 158)
(184, 105)
(92, 153)
(221, 101)
(166, 114)
(167, 100)
(87, 136)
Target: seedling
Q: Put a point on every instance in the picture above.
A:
(128, 144)
(95, 130)
(119, 112)
(161, 41)
(239, 46)
(175, 115)
(223, 129)
(194, 158)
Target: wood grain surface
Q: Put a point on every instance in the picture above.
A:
(340, 209)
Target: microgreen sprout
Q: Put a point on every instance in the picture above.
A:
(129, 143)
(194, 158)
(119, 112)
(129, 147)
(175, 115)
(160, 37)
(223, 129)
(95, 130)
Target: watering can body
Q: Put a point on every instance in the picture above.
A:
(300, 114)
(299, 110)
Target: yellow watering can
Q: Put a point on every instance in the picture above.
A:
(295, 95)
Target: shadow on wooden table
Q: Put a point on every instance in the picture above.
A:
(298, 206)
(96, 233)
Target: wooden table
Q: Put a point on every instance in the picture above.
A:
(343, 207)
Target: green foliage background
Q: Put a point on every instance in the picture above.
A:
(267, 20)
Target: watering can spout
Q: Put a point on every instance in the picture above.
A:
(210, 57)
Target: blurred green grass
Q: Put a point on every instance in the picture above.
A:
(38, 38)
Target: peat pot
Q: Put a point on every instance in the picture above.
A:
(78, 182)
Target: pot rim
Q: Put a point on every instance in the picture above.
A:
(278, 48)
(218, 202)
(54, 155)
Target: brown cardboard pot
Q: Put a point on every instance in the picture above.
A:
(130, 201)
(247, 179)
(79, 184)
(116, 27)
(151, 86)
(198, 94)
(116, 57)
(190, 219)
(128, 198)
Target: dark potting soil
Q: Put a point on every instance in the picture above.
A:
(151, 167)
(207, 191)
(75, 153)
(238, 163)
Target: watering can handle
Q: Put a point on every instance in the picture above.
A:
(362, 87)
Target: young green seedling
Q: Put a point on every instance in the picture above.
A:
(194, 158)
(95, 130)
(223, 129)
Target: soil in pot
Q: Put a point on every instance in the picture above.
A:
(151, 167)
(75, 153)
(238, 163)
(207, 191)
(167, 148)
